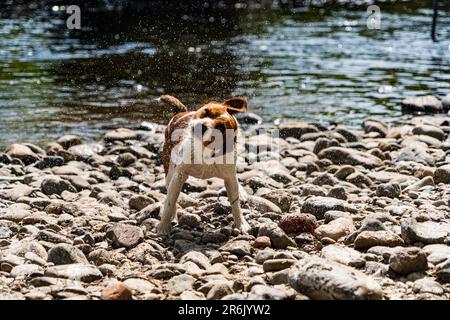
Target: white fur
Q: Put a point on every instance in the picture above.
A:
(179, 172)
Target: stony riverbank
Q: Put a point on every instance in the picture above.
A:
(341, 214)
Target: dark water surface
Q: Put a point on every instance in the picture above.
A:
(320, 64)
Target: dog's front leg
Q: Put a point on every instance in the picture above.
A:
(169, 211)
(232, 186)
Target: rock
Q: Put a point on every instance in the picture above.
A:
(190, 220)
(83, 152)
(368, 239)
(390, 190)
(124, 235)
(238, 247)
(319, 205)
(49, 162)
(446, 103)
(262, 292)
(180, 283)
(344, 255)
(318, 278)
(22, 152)
(371, 125)
(196, 257)
(102, 256)
(139, 202)
(408, 260)
(117, 291)
(295, 130)
(427, 232)
(150, 211)
(56, 185)
(431, 131)
(120, 134)
(139, 286)
(262, 242)
(427, 181)
(262, 205)
(422, 104)
(336, 229)
(344, 172)
(272, 265)
(219, 290)
(341, 156)
(437, 253)
(278, 237)
(281, 198)
(443, 271)
(20, 248)
(249, 118)
(66, 254)
(338, 193)
(298, 223)
(77, 271)
(25, 270)
(428, 285)
(442, 174)
(68, 141)
(126, 159)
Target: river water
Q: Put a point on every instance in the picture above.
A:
(305, 63)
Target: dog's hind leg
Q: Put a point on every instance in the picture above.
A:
(169, 211)
(232, 186)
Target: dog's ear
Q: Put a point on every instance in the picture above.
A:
(236, 104)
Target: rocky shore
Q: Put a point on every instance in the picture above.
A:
(341, 214)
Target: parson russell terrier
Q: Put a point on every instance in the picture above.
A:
(201, 144)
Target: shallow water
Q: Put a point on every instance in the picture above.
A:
(310, 64)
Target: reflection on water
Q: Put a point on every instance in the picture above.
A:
(320, 64)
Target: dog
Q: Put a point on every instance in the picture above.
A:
(201, 144)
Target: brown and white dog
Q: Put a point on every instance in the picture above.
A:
(201, 144)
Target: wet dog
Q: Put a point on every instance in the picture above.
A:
(201, 144)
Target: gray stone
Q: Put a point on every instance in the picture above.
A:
(56, 185)
(341, 156)
(431, 131)
(408, 260)
(390, 190)
(66, 254)
(422, 104)
(125, 235)
(278, 238)
(22, 152)
(427, 232)
(368, 239)
(277, 264)
(344, 255)
(238, 247)
(442, 174)
(319, 205)
(77, 271)
(319, 278)
(180, 283)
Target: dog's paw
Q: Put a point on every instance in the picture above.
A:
(243, 227)
(163, 229)
(243, 195)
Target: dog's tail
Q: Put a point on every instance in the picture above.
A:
(175, 105)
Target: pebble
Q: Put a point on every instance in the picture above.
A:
(408, 260)
(66, 254)
(323, 279)
(124, 235)
(368, 239)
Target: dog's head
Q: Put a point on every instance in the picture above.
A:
(216, 118)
